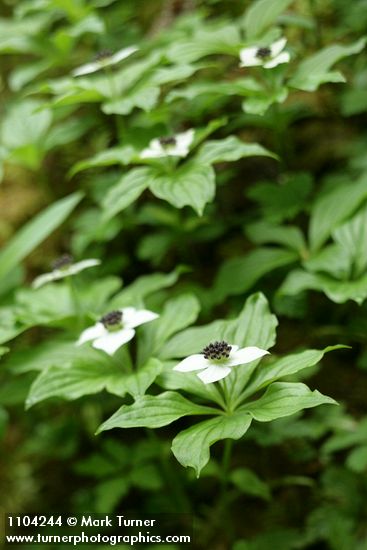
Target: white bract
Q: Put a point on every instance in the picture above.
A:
(266, 56)
(65, 271)
(105, 61)
(175, 146)
(214, 369)
(116, 328)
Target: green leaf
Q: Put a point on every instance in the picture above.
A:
(78, 96)
(193, 185)
(46, 354)
(315, 70)
(334, 207)
(177, 314)
(283, 399)
(238, 274)
(265, 232)
(206, 41)
(88, 374)
(154, 412)
(332, 260)
(249, 483)
(258, 104)
(347, 436)
(190, 383)
(25, 124)
(192, 446)
(242, 87)
(357, 459)
(126, 191)
(137, 383)
(143, 286)
(228, 150)
(25, 74)
(193, 340)
(10, 326)
(282, 202)
(115, 155)
(35, 231)
(84, 377)
(261, 15)
(254, 326)
(352, 238)
(284, 367)
(110, 492)
(174, 73)
(146, 477)
(53, 303)
(144, 97)
(338, 291)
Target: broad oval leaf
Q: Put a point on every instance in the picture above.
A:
(315, 70)
(178, 313)
(333, 208)
(285, 366)
(90, 374)
(230, 149)
(126, 191)
(239, 274)
(283, 399)
(35, 231)
(262, 14)
(192, 446)
(154, 412)
(191, 185)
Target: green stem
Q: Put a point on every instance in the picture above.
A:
(172, 478)
(122, 356)
(120, 127)
(226, 462)
(226, 395)
(317, 33)
(221, 513)
(74, 295)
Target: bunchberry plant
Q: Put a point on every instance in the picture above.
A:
(207, 160)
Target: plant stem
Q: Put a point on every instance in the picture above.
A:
(221, 513)
(226, 395)
(182, 503)
(114, 96)
(317, 34)
(226, 461)
(123, 356)
(78, 308)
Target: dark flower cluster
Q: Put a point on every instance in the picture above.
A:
(169, 140)
(102, 55)
(217, 350)
(64, 261)
(263, 53)
(111, 319)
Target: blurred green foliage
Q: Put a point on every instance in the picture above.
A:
(265, 212)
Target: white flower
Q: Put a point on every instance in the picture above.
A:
(116, 328)
(174, 146)
(63, 267)
(267, 56)
(217, 360)
(104, 59)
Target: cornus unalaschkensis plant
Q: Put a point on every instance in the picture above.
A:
(205, 167)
